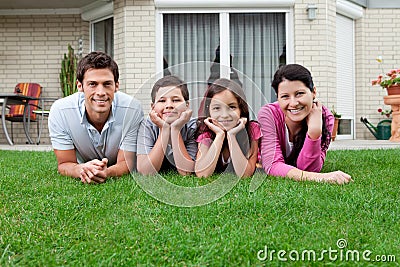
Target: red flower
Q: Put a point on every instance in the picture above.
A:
(379, 110)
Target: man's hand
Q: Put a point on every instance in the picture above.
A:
(94, 171)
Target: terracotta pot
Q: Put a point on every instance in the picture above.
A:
(393, 90)
(335, 128)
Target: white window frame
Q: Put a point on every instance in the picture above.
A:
(224, 31)
(91, 29)
(354, 12)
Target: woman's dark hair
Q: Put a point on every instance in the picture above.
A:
(96, 60)
(170, 80)
(296, 72)
(217, 87)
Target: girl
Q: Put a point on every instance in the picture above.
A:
(226, 139)
(296, 129)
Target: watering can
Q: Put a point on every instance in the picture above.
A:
(382, 131)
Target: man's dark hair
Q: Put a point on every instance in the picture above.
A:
(96, 60)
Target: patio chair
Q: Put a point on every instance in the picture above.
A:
(16, 112)
(43, 111)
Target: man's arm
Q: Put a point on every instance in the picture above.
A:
(95, 171)
(67, 163)
(91, 171)
(126, 161)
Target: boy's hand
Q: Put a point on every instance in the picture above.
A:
(314, 120)
(183, 118)
(157, 120)
(241, 125)
(214, 126)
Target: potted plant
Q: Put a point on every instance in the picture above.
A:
(385, 112)
(337, 116)
(389, 81)
(68, 72)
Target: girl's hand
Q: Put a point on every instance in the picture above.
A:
(214, 126)
(157, 120)
(183, 118)
(241, 125)
(314, 120)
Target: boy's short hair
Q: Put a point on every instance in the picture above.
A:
(170, 80)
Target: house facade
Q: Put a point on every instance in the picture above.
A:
(338, 41)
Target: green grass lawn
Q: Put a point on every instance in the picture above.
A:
(50, 220)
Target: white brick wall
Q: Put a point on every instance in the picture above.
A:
(31, 49)
(314, 46)
(377, 34)
(136, 47)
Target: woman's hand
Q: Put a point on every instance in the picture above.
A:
(336, 177)
(314, 120)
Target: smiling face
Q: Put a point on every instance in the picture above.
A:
(295, 100)
(169, 103)
(224, 108)
(99, 89)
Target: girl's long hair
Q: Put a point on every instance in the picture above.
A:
(216, 87)
(296, 72)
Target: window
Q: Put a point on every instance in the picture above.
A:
(245, 47)
(345, 74)
(103, 36)
(257, 42)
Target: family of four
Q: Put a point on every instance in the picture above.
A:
(99, 132)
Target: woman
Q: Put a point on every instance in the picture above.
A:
(296, 129)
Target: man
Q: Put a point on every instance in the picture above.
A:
(93, 132)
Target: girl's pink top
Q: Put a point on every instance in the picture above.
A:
(273, 143)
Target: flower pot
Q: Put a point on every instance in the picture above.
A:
(335, 129)
(393, 90)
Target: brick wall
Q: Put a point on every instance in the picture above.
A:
(31, 49)
(377, 34)
(135, 47)
(314, 46)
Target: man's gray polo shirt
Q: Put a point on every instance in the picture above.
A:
(70, 129)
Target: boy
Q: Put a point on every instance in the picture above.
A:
(167, 139)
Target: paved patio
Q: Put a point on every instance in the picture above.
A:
(362, 144)
(336, 145)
